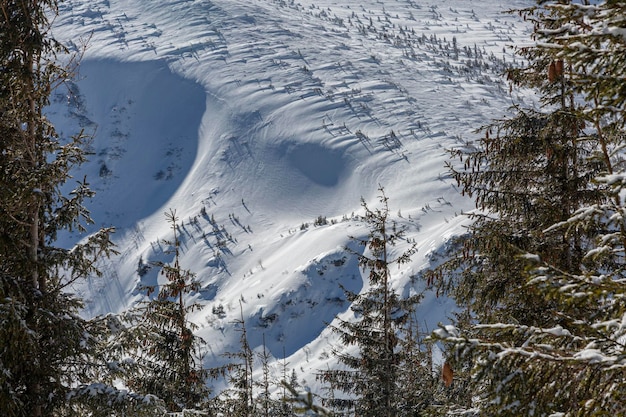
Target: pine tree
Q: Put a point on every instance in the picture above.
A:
(161, 340)
(565, 356)
(48, 353)
(370, 376)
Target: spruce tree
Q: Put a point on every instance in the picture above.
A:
(167, 356)
(239, 400)
(49, 355)
(417, 380)
(370, 376)
(267, 405)
(561, 353)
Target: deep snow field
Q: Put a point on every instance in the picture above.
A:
(252, 118)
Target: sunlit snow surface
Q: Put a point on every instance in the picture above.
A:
(253, 118)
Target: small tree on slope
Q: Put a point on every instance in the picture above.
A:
(371, 376)
(239, 400)
(161, 339)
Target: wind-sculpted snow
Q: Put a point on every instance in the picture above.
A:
(144, 120)
(298, 315)
(320, 165)
(263, 123)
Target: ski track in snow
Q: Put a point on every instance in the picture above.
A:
(251, 119)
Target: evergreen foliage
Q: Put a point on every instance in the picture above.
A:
(376, 378)
(240, 400)
(526, 174)
(542, 267)
(304, 402)
(540, 274)
(50, 357)
(166, 354)
(246, 396)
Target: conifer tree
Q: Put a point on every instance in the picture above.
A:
(526, 174)
(304, 403)
(264, 399)
(239, 401)
(283, 407)
(48, 353)
(419, 386)
(565, 356)
(370, 377)
(267, 405)
(162, 342)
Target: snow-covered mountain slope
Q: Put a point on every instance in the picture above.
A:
(254, 118)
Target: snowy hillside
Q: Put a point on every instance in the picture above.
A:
(253, 119)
